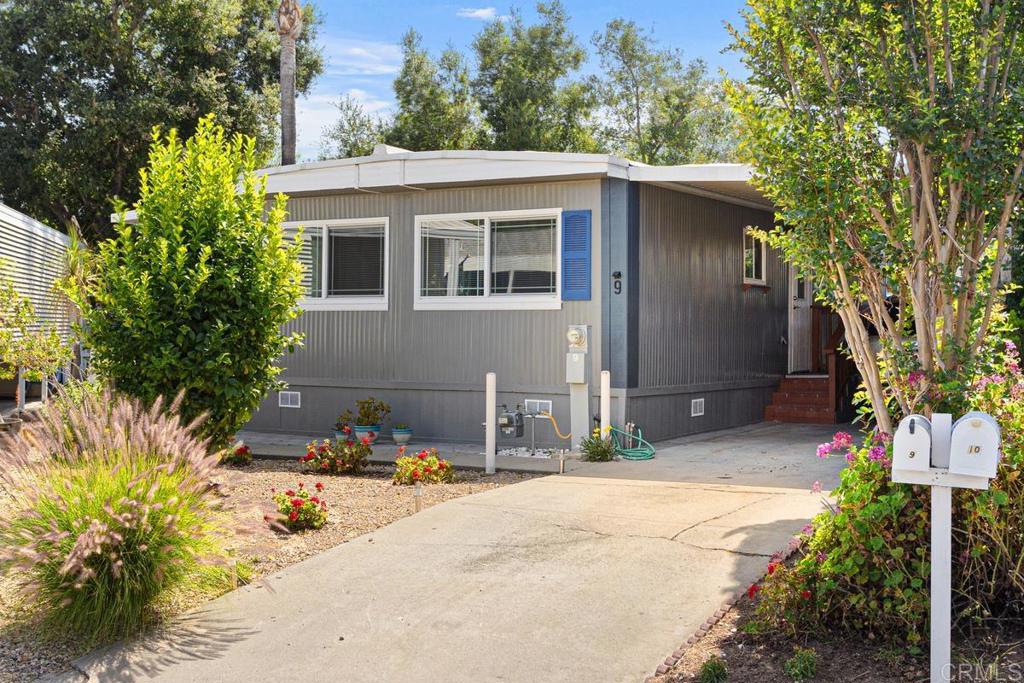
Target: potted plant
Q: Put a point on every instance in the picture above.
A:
(401, 433)
(367, 420)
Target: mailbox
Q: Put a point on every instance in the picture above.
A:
(975, 446)
(912, 445)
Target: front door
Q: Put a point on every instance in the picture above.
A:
(799, 323)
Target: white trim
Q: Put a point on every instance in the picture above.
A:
(763, 280)
(488, 302)
(345, 303)
(29, 224)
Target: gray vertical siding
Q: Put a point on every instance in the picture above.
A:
(701, 332)
(431, 364)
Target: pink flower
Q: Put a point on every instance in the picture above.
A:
(822, 556)
(808, 528)
(824, 450)
(877, 454)
(915, 378)
(851, 456)
(841, 440)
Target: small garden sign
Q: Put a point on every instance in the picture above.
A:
(944, 456)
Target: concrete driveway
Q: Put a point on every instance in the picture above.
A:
(591, 576)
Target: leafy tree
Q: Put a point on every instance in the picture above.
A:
(659, 110)
(436, 109)
(193, 296)
(26, 344)
(890, 137)
(523, 84)
(83, 83)
(354, 133)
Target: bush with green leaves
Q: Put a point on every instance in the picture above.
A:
(865, 567)
(298, 509)
(802, 666)
(193, 295)
(426, 467)
(25, 344)
(597, 447)
(112, 508)
(713, 671)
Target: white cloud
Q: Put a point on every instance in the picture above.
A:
(355, 57)
(481, 13)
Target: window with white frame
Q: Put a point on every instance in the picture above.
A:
(345, 263)
(754, 254)
(503, 259)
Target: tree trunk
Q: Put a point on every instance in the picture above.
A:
(287, 100)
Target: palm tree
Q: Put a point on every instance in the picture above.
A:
(289, 27)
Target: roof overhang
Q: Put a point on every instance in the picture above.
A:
(391, 169)
(726, 182)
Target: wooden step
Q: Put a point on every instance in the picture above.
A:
(801, 398)
(799, 414)
(804, 384)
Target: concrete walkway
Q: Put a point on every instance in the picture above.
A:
(591, 576)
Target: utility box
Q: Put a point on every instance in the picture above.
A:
(578, 337)
(912, 444)
(975, 446)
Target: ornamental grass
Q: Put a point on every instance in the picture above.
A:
(112, 508)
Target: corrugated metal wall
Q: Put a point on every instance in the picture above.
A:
(701, 331)
(417, 358)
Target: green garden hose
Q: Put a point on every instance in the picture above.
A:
(643, 450)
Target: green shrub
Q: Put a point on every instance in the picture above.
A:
(337, 457)
(195, 295)
(114, 508)
(25, 344)
(713, 671)
(426, 466)
(597, 448)
(298, 509)
(803, 665)
(370, 412)
(866, 565)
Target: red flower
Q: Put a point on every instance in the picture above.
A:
(315, 499)
(752, 591)
(422, 455)
(301, 484)
(346, 430)
(294, 515)
(401, 450)
(297, 502)
(319, 486)
(428, 469)
(289, 493)
(323, 448)
(772, 566)
(805, 594)
(415, 474)
(350, 443)
(442, 464)
(366, 440)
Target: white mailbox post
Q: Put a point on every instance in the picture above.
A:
(944, 456)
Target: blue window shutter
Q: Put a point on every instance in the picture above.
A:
(576, 255)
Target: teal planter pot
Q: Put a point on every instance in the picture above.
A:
(371, 431)
(401, 435)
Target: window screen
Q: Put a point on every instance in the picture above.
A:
(523, 255)
(753, 258)
(452, 258)
(310, 256)
(356, 261)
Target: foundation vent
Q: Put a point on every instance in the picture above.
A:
(697, 407)
(289, 399)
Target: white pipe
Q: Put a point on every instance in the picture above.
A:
(606, 401)
(491, 437)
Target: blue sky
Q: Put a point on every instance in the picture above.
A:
(360, 40)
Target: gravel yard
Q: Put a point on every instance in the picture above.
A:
(357, 505)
